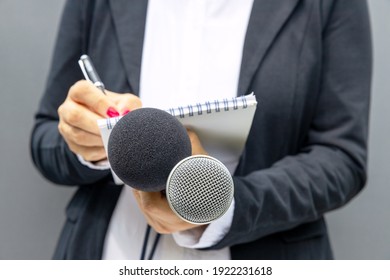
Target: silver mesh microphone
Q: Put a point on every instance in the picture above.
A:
(200, 189)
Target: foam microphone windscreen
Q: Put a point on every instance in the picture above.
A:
(145, 145)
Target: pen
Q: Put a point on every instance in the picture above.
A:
(89, 72)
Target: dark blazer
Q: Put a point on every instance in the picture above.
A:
(309, 64)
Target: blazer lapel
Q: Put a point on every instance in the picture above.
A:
(129, 20)
(267, 17)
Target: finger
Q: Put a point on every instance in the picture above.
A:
(79, 136)
(158, 213)
(196, 145)
(88, 153)
(84, 92)
(128, 102)
(151, 202)
(154, 217)
(141, 204)
(79, 116)
(125, 102)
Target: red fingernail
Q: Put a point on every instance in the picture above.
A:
(125, 112)
(111, 112)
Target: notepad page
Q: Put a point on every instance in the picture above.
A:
(221, 124)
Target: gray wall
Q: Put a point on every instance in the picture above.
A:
(361, 230)
(32, 209)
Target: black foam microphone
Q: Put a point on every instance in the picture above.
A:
(145, 145)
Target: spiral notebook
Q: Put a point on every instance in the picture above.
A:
(222, 125)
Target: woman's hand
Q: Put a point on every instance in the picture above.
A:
(159, 215)
(78, 116)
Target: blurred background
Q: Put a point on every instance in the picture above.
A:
(32, 209)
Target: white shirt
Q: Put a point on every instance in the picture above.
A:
(192, 53)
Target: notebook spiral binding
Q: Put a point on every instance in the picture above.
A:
(209, 107)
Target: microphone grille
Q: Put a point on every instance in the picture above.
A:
(200, 189)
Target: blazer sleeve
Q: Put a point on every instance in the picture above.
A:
(49, 151)
(330, 168)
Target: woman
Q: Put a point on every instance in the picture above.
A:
(309, 64)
